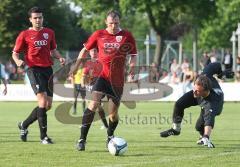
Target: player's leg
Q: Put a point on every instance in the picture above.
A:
(33, 116)
(113, 106)
(114, 96)
(47, 139)
(102, 116)
(183, 102)
(42, 116)
(83, 95)
(87, 119)
(44, 102)
(30, 119)
(76, 93)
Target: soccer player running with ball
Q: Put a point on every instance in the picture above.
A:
(39, 46)
(113, 44)
(206, 93)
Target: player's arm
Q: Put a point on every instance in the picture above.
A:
(85, 76)
(82, 55)
(17, 60)
(55, 53)
(4, 79)
(5, 86)
(132, 64)
(85, 80)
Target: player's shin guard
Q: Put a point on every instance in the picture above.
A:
(87, 120)
(111, 127)
(42, 121)
(31, 118)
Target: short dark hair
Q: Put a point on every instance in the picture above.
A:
(34, 9)
(203, 81)
(113, 14)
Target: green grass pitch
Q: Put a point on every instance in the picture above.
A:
(139, 126)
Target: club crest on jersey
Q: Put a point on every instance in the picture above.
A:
(118, 38)
(45, 35)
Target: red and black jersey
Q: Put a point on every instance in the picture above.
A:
(112, 52)
(92, 68)
(36, 46)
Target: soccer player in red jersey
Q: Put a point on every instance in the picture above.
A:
(91, 71)
(39, 46)
(113, 44)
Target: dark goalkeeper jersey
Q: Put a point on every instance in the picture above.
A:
(213, 103)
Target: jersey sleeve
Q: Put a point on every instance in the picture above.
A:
(20, 44)
(92, 41)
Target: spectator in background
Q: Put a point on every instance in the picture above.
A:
(153, 73)
(227, 60)
(11, 71)
(205, 60)
(184, 68)
(3, 77)
(188, 78)
(174, 71)
(213, 57)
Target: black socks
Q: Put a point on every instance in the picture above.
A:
(87, 120)
(111, 127)
(42, 121)
(31, 118)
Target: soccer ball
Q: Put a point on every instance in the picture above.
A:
(117, 146)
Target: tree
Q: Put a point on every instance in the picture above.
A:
(93, 14)
(57, 15)
(161, 15)
(217, 31)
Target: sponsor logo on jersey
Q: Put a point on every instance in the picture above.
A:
(45, 35)
(111, 45)
(118, 38)
(40, 43)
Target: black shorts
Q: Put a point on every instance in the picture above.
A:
(41, 79)
(104, 86)
(78, 88)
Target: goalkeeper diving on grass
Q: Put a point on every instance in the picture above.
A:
(206, 93)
